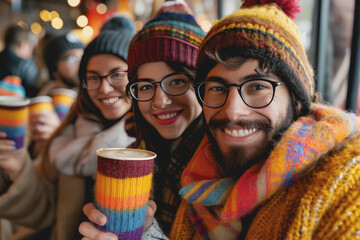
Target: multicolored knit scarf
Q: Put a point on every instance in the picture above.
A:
(172, 158)
(217, 205)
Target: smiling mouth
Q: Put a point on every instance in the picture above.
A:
(110, 100)
(167, 116)
(240, 133)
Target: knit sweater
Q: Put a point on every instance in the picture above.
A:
(324, 204)
(311, 193)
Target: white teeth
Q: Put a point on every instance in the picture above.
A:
(240, 133)
(110, 100)
(167, 116)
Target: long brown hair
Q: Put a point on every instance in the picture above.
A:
(84, 107)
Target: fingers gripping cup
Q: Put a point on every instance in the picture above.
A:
(122, 189)
(63, 99)
(14, 113)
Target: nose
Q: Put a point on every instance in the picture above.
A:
(161, 99)
(235, 107)
(105, 86)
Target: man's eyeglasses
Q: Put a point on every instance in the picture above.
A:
(174, 84)
(256, 93)
(115, 79)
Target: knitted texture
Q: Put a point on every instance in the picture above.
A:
(266, 33)
(115, 42)
(62, 100)
(41, 104)
(14, 118)
(170, 163)
(323, 204)
(172, 35)
(11, 86)
(57, 48)
(301, 146)
(122, 191)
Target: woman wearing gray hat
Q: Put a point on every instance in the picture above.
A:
(50, 195)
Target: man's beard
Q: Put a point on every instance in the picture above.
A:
(238, 159)
(71, 82)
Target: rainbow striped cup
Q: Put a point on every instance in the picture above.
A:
(14, 113)
(122, 189)
(63, 99)
(40, 104)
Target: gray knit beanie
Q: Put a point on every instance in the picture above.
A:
(57, 47)
(108, 42)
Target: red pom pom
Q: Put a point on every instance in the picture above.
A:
(289, 7)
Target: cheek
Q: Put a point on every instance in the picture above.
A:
(145, 108)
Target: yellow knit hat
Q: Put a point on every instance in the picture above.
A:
(263, 32)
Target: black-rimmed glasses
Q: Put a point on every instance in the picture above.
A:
(174, 84)
(115, 79)
(256, 93)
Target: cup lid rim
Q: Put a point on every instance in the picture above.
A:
(14, 101)
(153, 155)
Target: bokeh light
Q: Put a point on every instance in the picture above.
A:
(88, 31)
(36, 28)
(45, 15)
(101, 8)
(73, 3)
(57, 23)
(82, 21)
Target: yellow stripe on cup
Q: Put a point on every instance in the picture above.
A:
(14, 114)
(41, 107)
(103, 180)
(63, 100)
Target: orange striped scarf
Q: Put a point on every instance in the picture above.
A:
(217, 205)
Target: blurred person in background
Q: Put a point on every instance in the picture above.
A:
(17, 57)
(48, 195)
(62, 56)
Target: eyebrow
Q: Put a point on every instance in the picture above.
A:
(258, 74)
(121, 69)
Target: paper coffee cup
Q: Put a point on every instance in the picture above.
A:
(63, 99)
(122, 189)
(14, 113)
(40, 104)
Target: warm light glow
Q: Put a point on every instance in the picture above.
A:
(205, 25)
(54, 14)
(45, 15)
(82, 21)
(36, 28)
(79, 33)
(73, 3)
(138, 25)
(57, 23)
(23, 25)
(88, 31)
(203, 21)
(101, 8)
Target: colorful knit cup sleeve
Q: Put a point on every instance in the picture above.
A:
(122, 190)
(62, 100)
(14, 113)
(40, 104)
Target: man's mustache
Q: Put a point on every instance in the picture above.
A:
(247, 124)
